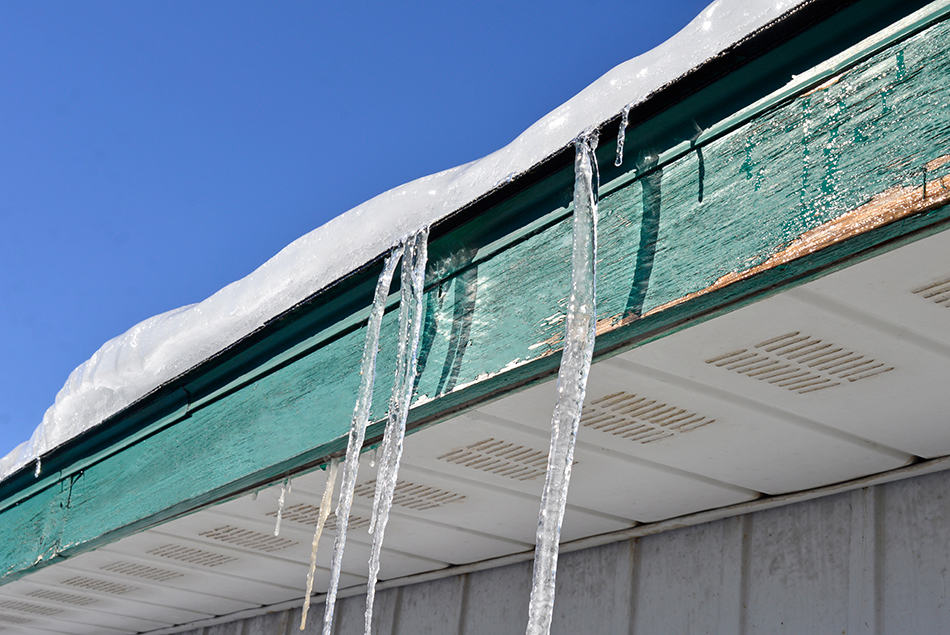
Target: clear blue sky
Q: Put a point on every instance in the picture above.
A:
(152, 152)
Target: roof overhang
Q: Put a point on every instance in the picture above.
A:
(697, 231)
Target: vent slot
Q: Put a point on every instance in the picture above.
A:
(639, 419)
(198, 557)
(412, 495)
(141, 571)
(503, 458)
(800, 363)
(305, 514)
(248, 539)
(28, 607)
(938, 293)
(96, 584)
(60, 596)
(13, 619)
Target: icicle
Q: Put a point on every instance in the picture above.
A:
(325, 503)
(372, 456)
(364, 400)
(284, 490)
(571, 386)
(410, 328)
(39, 468)
(621, 135)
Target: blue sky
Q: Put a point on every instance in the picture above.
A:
(152, 152)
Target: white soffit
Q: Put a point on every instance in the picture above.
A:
(886, 356)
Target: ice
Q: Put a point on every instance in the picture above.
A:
(571, 386)
(325, 503)
(364, 400)
(410, 328)
(622, 134)
(284, 490)
(162, 347)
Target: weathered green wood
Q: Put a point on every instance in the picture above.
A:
(494, 313)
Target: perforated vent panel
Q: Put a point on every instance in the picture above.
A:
(248, 539)
(141, 571)
(13, 619)
(500, 457)
(305, 514)
(800, 363)
(640, 419)
(938, 292)
(198, 557)
(60, 596)
(29, 607)
(412, 495)
(97, 584)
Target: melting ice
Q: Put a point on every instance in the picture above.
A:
(364, 400)
(622, 135)
(325, 503)
(571, 386)
(284, 490)
(410, 328)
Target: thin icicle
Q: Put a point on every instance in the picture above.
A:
(364, 400)
(571, 386)
(621, 135)
(410, 328)
(325, 503)
(284, 490)
(39, 468)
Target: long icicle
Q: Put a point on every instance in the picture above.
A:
(410, 328)
(325, 503)
(354, 444)
(571, 386)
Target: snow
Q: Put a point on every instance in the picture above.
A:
(162, 347)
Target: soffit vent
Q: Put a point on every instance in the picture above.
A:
(412, 495)
(800, 363)
(13, 619)
(248, 539)
(29, 607)
(500, 457)
(60, 596)
(97, 584)
(305, 514)
(938, 292)
(198, 557)
(639, 419)
(141, 571)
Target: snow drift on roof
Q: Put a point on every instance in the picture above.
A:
(162, 347)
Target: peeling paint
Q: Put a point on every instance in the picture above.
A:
(887, 207)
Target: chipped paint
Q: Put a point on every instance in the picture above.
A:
(887, 207)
